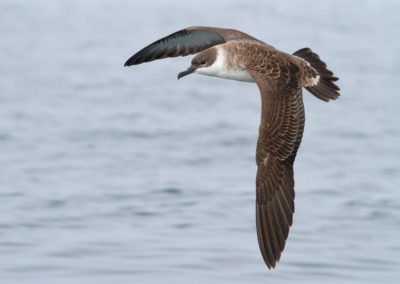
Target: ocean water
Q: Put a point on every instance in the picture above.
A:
(126, 175)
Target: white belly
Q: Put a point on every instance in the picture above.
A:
(238, 75)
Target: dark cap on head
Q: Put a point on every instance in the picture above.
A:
(203, 59)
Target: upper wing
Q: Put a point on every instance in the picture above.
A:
(184, 42)
(280, 134)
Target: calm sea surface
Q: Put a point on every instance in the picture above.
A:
(126, 175)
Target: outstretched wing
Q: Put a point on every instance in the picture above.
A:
(280, 134)
(184, 42)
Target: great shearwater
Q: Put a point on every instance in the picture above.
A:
(231, 54)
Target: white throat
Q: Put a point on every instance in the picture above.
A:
(221, 68)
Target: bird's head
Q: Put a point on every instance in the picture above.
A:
(204, 63)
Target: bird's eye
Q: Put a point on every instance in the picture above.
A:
(203, 62)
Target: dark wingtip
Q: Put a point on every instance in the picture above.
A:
(140, 57)
(127, 63)
(130, 61)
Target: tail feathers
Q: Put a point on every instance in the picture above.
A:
(324, 88)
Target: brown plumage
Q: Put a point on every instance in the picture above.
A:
(280, 77)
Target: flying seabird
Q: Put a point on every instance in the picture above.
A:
(231, 54)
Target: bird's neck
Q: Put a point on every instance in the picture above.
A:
(222, 68)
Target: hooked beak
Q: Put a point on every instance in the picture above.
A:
(190, 70)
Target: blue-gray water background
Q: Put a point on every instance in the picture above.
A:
(126, 175)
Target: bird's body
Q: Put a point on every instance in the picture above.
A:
(231, 54)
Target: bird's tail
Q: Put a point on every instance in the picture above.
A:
(324, 89)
